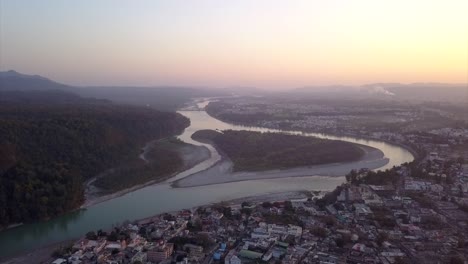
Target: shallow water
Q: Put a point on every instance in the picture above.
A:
(161, 198)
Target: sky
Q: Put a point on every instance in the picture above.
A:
(266, 44)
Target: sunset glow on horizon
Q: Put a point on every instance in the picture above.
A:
(266, 44)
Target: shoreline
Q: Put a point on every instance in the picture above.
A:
(413, 152)
(43, 254)
(104, 198)
(190, 160)
(221, 172)
(90, 201)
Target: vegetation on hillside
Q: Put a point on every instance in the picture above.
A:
(252, 151)
(48, 150)
(162, 162)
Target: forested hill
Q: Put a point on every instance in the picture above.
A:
(48, 150)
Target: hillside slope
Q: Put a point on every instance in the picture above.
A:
(48, 150)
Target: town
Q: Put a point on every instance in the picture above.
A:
(414, 213)
(369, 118)
(233, 132)
(410, 214)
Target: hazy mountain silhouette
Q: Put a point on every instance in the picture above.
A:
(415, 91)
(161, 98)
(171, 98)
(430, 91)
(46, 97)
(14, 81)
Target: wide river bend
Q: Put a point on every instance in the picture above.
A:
(162, 197)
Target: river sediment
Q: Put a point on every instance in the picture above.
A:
(221, 172)
(191, 155)
(160, 198)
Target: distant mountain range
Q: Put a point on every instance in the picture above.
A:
(15, 86)
(46, 97)
(15, 81)
(171, 98)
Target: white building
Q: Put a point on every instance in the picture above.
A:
(285, 230)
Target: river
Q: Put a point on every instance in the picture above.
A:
(162, 197)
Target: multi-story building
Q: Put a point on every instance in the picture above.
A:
(160, 253)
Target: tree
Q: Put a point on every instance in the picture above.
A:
(91, 235)
(58, 253)
(56, 147)
(288, 206)
(319, 232)
(339, 242)
(227, 212)
(329, 220)
(381, 237)
(194, 226)
(400, 260)
(461, 241)
(456, 260)
(113, 236)
(142, 231)
(169, 217)
(62, 251)
(246, 149)
(246, 211)
(352, 176)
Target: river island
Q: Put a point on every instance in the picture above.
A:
(289, 156)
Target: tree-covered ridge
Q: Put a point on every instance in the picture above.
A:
(251, 151)
(161, 162)
(47, 151)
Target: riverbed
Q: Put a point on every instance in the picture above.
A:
(221, 172)
(159, 198)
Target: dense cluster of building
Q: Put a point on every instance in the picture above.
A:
(314, 116)
(417, 220)
(139, 242)
(341, 118)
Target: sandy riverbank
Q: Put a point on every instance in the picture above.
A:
(190, 154)
(222, 171)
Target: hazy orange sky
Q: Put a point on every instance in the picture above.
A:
(267, 44)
